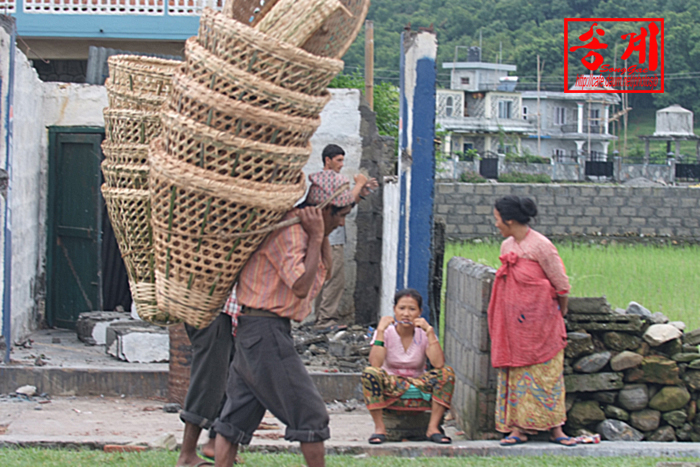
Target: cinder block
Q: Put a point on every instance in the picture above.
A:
(92, 326)
(138, 341)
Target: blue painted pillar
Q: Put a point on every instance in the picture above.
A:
(416, 161)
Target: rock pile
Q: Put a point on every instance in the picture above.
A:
(630, 374)
(344, 351)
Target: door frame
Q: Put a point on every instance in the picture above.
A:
(54, 131)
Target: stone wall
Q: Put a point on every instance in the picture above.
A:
(467, 346)
(629, 374)
(574, 210)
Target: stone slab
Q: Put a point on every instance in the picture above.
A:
(92, 326)
(588, 305)
(593, 382)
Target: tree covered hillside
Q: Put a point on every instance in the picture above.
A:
(526, 28)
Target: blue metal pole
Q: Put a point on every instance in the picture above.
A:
(7, 231)
(417, 161)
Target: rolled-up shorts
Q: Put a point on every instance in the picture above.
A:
(212, 353)
(268, 374)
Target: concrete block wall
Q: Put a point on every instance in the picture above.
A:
(574, 209)
(467, 346)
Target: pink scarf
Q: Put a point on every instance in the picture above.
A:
(525, 323)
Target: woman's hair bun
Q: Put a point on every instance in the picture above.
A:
(515, 208)
(527, 205)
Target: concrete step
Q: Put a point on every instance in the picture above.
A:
(58, 364)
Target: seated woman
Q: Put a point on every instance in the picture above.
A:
(397, 378)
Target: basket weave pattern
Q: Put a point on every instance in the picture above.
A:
(203, 105)
(210, 71)
(130, 176)
(141, 75)
(338, 31)
(137, 89)
(268, 59)
(227, 155)
(131, 126)
(235, 136)
(194, 215)
(120, 99)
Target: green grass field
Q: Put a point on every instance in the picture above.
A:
(662, 278)
(66, 458)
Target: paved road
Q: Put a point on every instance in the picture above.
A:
(95, 421)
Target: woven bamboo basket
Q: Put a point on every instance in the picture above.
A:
(119, 98)
(294, 21)
(266, 58)
(197, 102)
(129, 212)
(140, 75)
(226, 155)
(131, 126)
(125, 175)
(247, 11)
(338, 31)
(136, 154)
(230, 81)
(195, 216)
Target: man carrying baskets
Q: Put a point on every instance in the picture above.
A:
(278, 284)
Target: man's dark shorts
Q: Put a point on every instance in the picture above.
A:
(212, 352)
(267, 373)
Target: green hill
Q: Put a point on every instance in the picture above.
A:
(519, 30)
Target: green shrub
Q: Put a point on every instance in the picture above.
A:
(527, 158)
(469, 176)
(519, 177)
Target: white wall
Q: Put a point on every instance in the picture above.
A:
(27, 197)
(340, 124)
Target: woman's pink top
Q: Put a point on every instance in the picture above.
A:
(409, 363)
(525, 323)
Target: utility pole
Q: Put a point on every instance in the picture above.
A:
(539, 117)
(369, 63)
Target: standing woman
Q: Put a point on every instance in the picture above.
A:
(526, 323)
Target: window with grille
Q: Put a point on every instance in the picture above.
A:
(465, 80)
(449, 106)
(559, 116)
(505, 109)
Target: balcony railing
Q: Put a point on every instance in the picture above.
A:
(573, 128)
(117, 7)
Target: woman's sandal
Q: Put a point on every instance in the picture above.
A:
(516, 440)
(560, 440)
(439, 438)
(377, 438)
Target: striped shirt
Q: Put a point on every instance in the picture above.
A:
(267, 279)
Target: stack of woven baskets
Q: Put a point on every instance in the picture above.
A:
(236, 131)
(136, 89)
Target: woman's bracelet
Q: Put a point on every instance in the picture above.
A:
(378, 343)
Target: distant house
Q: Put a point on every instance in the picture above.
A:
(481, 110)
(568, 122)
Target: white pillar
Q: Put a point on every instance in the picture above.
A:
(579, 129)
(606, 117)
(605, 144)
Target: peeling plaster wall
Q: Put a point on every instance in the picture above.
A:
(28, 197)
